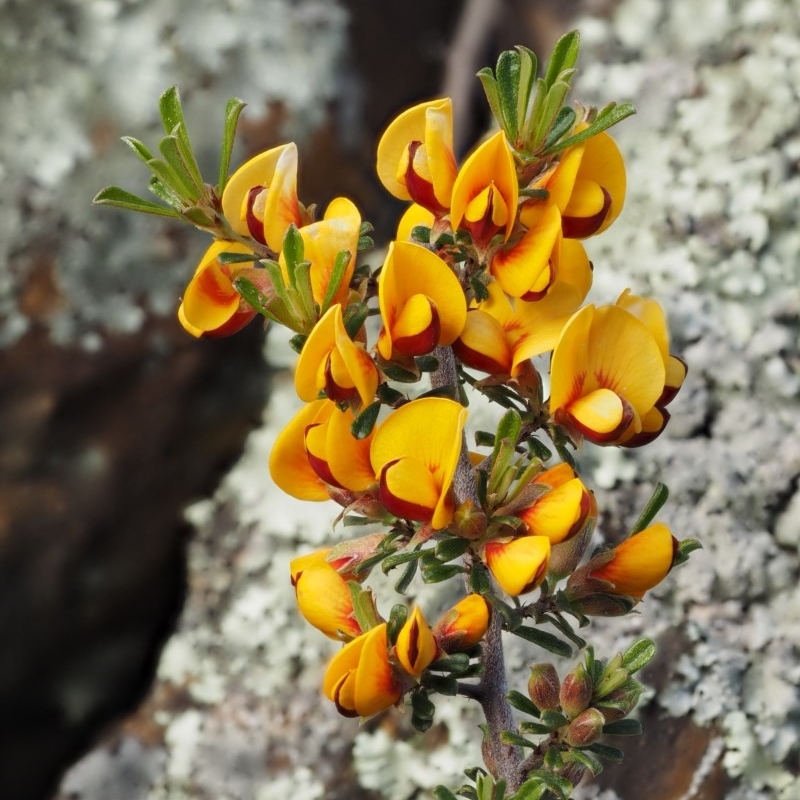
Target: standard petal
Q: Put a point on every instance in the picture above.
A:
(560, 513)
(483, 344)
(518, 565)
(347, 457)
(288, 463)
(415, 647)
(324, 600)
(376, 688)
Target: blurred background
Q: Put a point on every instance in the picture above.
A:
(134, 511)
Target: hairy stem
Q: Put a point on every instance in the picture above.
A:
(502, 760)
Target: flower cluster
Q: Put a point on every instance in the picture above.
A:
(484, 284)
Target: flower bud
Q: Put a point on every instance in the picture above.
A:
(585, 729)
(464, 625)
(469, 522)
(416, 647)
(544, 687)
(576, 691)
(620, 702)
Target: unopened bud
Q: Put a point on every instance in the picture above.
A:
(544, 687)
(620, 702)
(576, 692)
(585, 729)
(469, 522)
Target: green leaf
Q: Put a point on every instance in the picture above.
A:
(442, 793)
(611, 115)
(404, 581)
(421, 233)
(293, 248)
(479, 580)
(563, 57)
(561, 787)
(364, 423)
(638, 655)
(623, 727)
(585, 758)
(396, 559)
(441, 684)
(522, 703)
(397, 618)
(165, 193)
(545, 640)
(654, 505)
(364, 609)
(394, 372)
(451, 548)
(169, 106)
(119, 198)
(434, 571)
(455, 663)
(354, 317)
(492, 93)
(507, 74)
(270, 307)
(537, 728)
(564, 122)
(337, 274)
(512, 617)
(141, 151)
(554, 719)
(172, 154)
(528, 65)
(170, 179)
(606, 752)
(509, 737)
(232, 111)
(187, 155)
(508, 428)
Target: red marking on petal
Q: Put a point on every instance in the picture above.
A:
(254, 225)
(398, 506)
(582, 227)
(423, 342)
(421, 191)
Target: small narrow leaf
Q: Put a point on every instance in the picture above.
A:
(615, 114)
(564, 122)
(522, 703)
(528, 65)
(654, 505)
(563, 57)
(442, 793)
(421, 233)
(232, 112)
(337, 275)
(536, 728)
(354, 317)
(169, 106)
(623, 727)
(638, 655)
(587, 760)
(685, 547)
(397, 618)
(405, 579)
(187, 155)
(507, 72)
(141, 151)
(448, 549)
(492, 93)
(545, 640)
(119, 198)
(607, 752)
(509, 737)
(433, 571)
(365, 421)
(171, 151)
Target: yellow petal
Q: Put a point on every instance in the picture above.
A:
(309, 375)
(409, 270)
(558, 514)
(519, 565)
(415, 647)
(464, 625)
(413, 217)
(427, 431)
(288, 462)
(324, 600)
(409, 490)
(343, 663)
(490, 165)
(518, 268)
(602, 163)
(297, 565)
(348, 458)
(640, 562)
(556, 476)
(601, 411)
(376, 687)
(483, 344)
(210, 299)
(431, 124)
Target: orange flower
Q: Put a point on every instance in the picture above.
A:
(359, 678)
(486, 191)
(607, 373)
(415, 452)
(331, 362)
(421, 301)
(415, 156)
(587, 185)
(260, 198)
(464, 625)
(500, 335)
(415, 647)
(324, 600)
(337, 231)
(211, 306)
(518, 565)
(637, 564)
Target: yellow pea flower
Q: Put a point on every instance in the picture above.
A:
(518, 565)
(561, 512)
(485, 192)
(639, 563)
(587, 185)
(331, 362)
(415, 452)
(463, 625)
(324, 600)
(359, 678)
(501, 334)
(415, 648)
(338, 230)
(211, 306)
(421, 302)
(415, 158)
(607, 373)
(260, 198)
